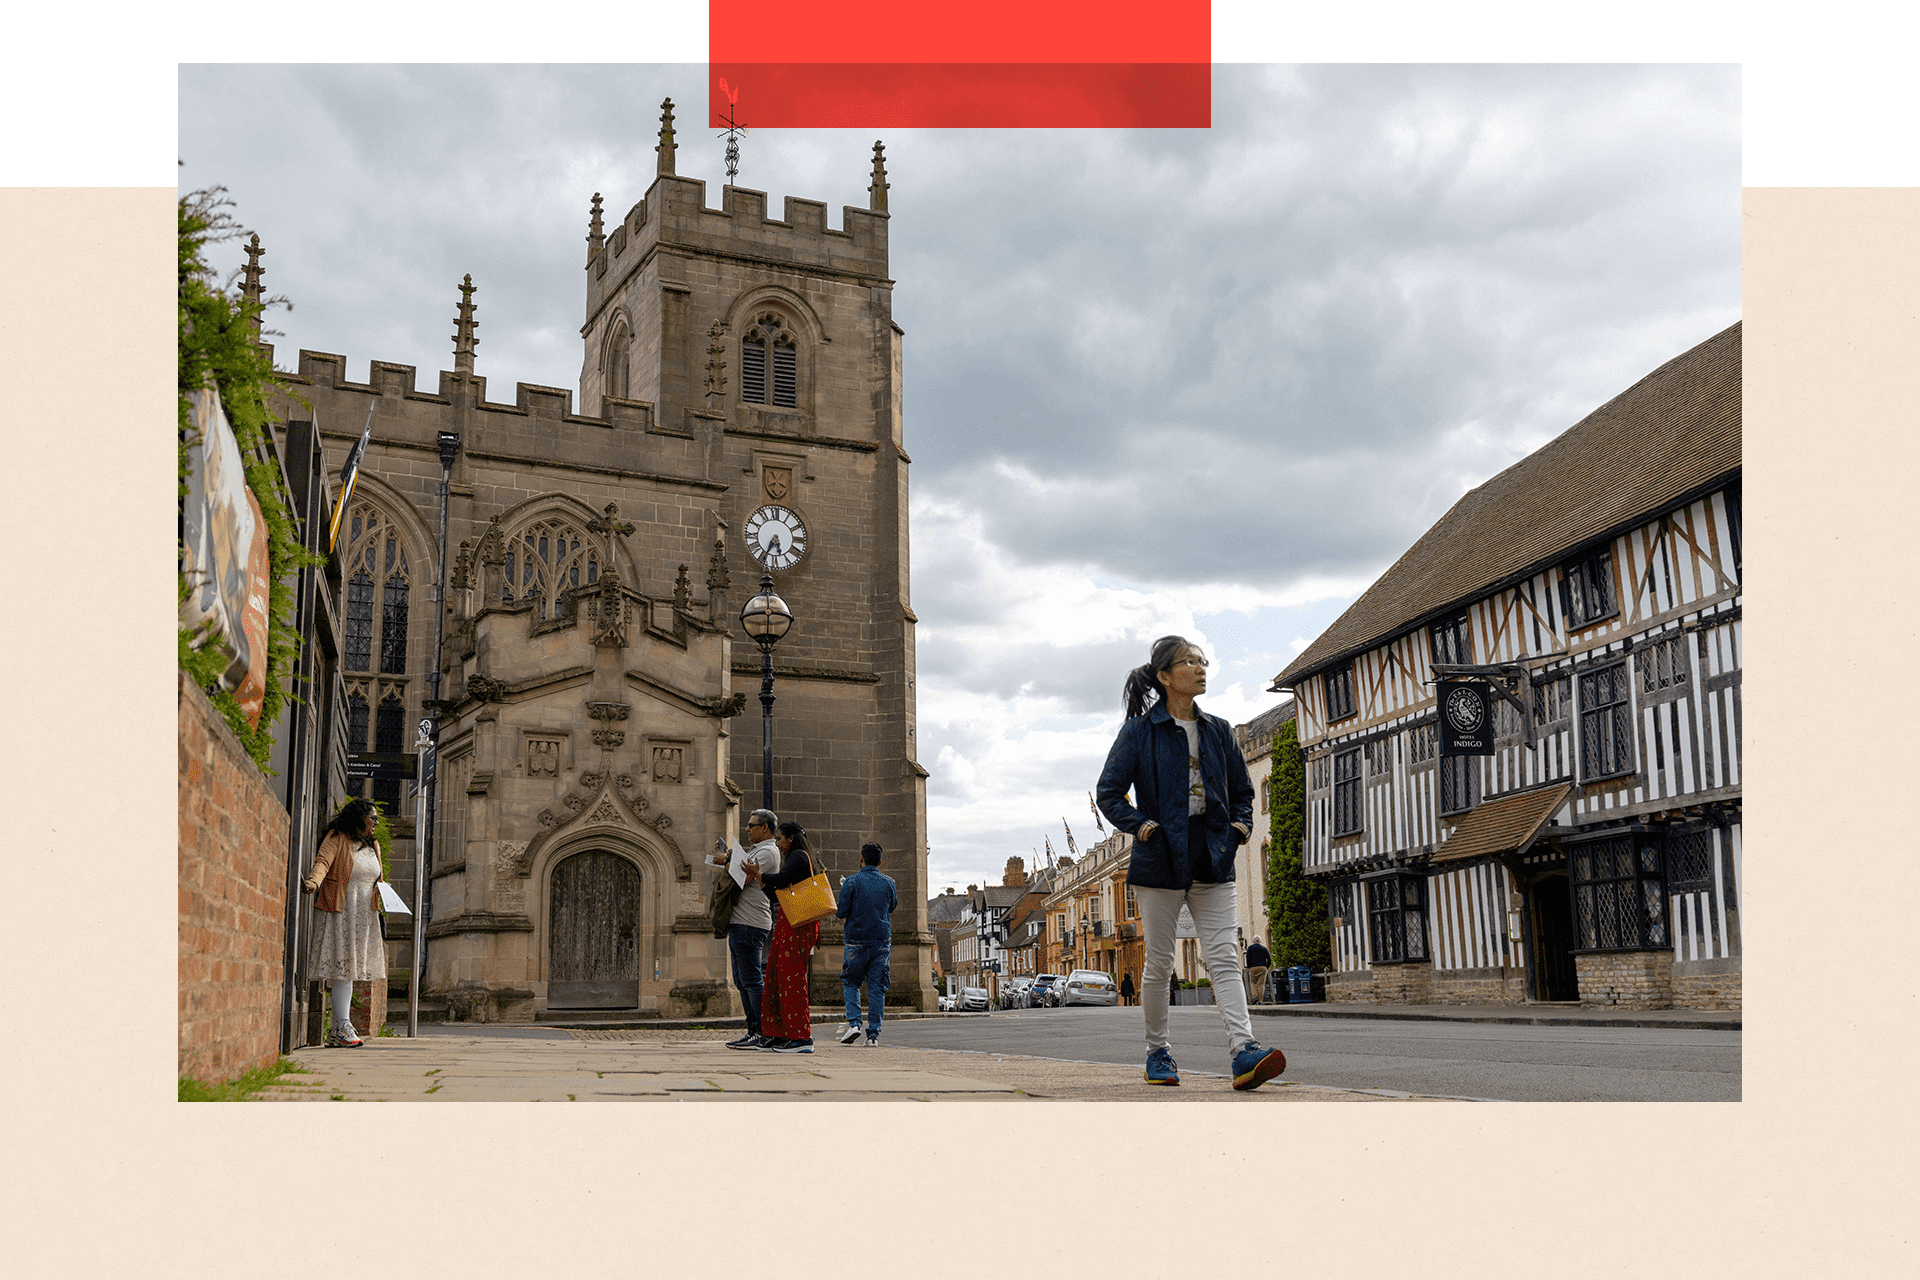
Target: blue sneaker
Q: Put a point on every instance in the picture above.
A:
(1253, 1066)
(1160, 1068)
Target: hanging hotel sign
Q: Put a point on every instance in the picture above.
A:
(1466, 718)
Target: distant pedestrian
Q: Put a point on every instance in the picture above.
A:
(1258, 962)
(784, 1018)
(867, 902)
(347, 946)
(751, 925)
(1126, 988)
(1192, 809)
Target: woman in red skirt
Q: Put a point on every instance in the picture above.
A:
(785, 1024)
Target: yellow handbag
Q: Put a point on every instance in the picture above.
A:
(807, 901)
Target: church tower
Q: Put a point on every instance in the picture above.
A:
(763, 356)
(596, 731)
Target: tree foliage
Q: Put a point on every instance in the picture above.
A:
(219, 347)
(1296, 905)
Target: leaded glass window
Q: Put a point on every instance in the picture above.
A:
(1606, 742)
(1452, 641)
(1619, 894)
(546, 561)
(1396, 914)
(1553, 700)
(356, 735)
(1662, 664)
(389, 735)
(1586, 589)
(375, 563)
(1346, 793)
(1459, 779)
(1340, 693)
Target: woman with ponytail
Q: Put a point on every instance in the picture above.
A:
(1191, 808)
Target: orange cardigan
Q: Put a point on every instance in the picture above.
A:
(332, 868)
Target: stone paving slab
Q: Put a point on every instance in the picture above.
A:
(660, 1065)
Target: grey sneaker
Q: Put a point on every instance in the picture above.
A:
(849, 1033)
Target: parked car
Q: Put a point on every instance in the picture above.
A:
(1041, 994)
(1089, 986)
(946, 1004)
(973, 999)
(1013, 995)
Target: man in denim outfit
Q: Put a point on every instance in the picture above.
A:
(751, 926)
(867, 900)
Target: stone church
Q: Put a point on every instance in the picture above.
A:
(739, 413)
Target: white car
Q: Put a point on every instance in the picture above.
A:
(973, 1000)
(1089, 986)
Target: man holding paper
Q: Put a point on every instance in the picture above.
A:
(752, 922)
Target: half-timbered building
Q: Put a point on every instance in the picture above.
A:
(1595, 855)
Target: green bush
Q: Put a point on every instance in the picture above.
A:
(1296, 905)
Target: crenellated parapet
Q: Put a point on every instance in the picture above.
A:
(387, 380)
(674, 214)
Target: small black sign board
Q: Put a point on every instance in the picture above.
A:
(1466, 718)
(385, 765)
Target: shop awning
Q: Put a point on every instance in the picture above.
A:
(1504, 825)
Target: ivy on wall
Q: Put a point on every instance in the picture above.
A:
(1296, 905)
(219, 348)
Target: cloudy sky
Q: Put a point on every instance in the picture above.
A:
(1208, 382)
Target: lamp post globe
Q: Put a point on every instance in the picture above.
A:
(765, 619)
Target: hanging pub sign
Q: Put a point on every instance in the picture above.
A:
(1466, 718)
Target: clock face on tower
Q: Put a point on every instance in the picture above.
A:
(775, 537)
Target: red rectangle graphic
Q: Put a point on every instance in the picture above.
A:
(948, 95)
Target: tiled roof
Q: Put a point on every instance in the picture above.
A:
(1499, 825)
(1668, 434)
(946, 907)
(1261, 728)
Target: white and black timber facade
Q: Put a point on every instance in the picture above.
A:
(1595, 855)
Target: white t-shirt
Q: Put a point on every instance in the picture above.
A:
(1196, 785)
(755, 909)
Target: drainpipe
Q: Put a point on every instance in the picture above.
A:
(429, 731)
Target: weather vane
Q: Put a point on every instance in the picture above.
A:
(735, 130)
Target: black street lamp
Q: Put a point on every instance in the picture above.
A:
(766, 619)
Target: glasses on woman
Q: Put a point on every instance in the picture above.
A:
(1201, 663)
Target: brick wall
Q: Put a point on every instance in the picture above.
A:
(233, 872)
(1626, 979)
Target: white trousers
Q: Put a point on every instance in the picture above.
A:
(1212, 907)
(340, 997)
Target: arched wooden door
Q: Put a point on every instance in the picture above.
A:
(593, 923)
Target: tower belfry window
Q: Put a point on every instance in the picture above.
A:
(769, 364)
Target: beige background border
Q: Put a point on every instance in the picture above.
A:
(107, 1173)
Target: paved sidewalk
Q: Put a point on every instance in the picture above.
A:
(660, 1065)
(1538, 1015)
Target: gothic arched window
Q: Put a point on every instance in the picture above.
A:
(389, 735)
(356, 735)
(374, 557)
(769, 363)
(618, 347)
(545, 561)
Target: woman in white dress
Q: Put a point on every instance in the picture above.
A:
(347, 947)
